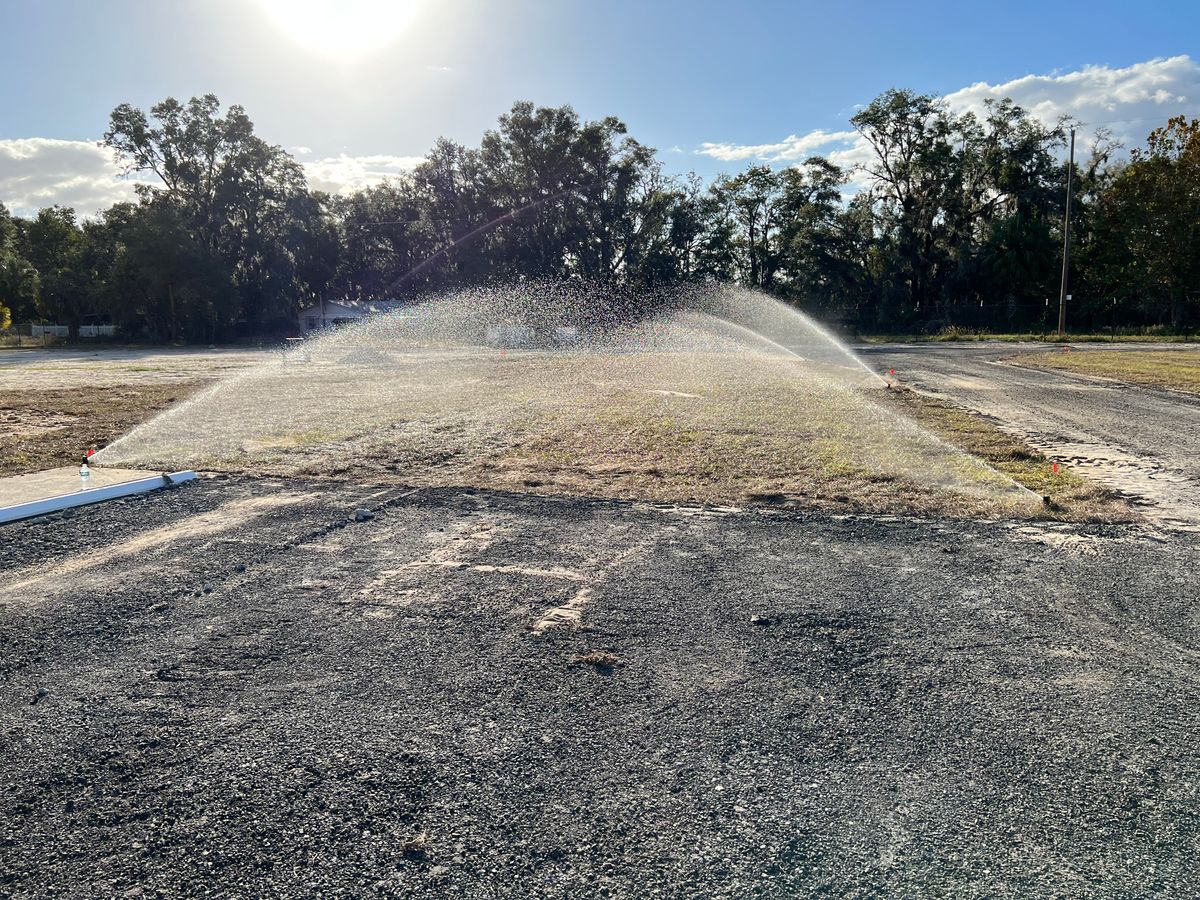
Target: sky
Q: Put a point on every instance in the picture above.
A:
(358, 90)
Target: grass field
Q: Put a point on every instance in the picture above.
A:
(967, 335)
(662, 427)
(1072, 496)
(1177, 370)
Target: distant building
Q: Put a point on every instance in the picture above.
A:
(330, 313)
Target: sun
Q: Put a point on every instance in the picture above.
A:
(342, 29)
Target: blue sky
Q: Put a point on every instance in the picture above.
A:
(712, 85)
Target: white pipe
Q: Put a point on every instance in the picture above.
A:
(91, 495)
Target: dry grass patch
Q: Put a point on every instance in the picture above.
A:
(672, 428)
(1178, 370)
(669, 427)
(1073, 498)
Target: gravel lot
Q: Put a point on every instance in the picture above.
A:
(235, 688)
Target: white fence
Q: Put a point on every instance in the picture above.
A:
(85, 331)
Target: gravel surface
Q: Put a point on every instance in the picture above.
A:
(1141, 441)
(248, 687)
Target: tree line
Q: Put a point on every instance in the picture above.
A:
(954, 220)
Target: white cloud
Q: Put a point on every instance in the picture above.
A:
(345, 174)
(1128, 101)
(791, 149)
(38, 172)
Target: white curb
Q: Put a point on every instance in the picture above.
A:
(92, 495)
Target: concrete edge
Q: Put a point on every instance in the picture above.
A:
(93, 495)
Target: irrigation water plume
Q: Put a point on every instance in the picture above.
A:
(711, 393)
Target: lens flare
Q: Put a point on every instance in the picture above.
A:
(342, 29)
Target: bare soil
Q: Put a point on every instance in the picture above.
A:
(45, 428)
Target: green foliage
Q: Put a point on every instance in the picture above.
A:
(18, 277)
(165, 282)
(953, 225)
(243, 205)
(1152, 214)
(55, 248)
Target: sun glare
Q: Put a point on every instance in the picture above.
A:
(342, 29)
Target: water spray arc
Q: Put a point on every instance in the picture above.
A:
(703, 392)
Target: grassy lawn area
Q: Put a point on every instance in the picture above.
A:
(1175, 369)
(664, 427)
(667, 427)
(1038, 337)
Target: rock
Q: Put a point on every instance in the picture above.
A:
(240, 567)
(363, 515)
(40, 695)
(208, 589)
(759, 620)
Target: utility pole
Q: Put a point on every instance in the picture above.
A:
(1062, 291)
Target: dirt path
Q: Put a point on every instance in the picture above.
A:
(1140, 441)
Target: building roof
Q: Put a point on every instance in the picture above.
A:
(351, 308)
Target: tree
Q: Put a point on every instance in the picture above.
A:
(545, 196)
(163, 280)
(1153, 208)
(749, 204)
(56, 244)
(913, 179)
(18, 277)
(955, 219)
(241, 199)
(965, 207)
